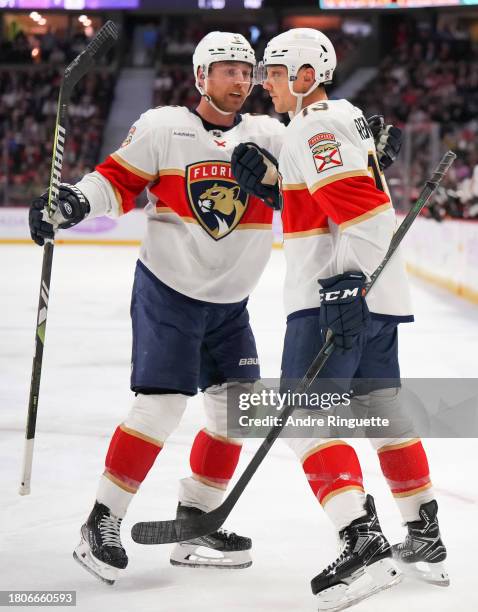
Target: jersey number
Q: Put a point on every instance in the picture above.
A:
(320, 106)
(375, 170)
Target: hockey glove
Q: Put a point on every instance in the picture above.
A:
(388, 140)
(255, 170)
(70, 208)
(343, 308)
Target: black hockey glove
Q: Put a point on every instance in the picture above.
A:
(255, 170)
(388, 140)
(71, 208)
(343, 308)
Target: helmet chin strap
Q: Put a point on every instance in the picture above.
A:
(298, 106)
(300, 97)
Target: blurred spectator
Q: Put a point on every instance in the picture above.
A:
(426, 85)
(28, 105)
(57, 47)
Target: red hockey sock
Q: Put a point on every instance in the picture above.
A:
(333, 468)
(213, 459)
(405, 467)
(130, 457)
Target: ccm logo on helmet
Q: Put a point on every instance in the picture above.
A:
(249, 361)
(332, 296)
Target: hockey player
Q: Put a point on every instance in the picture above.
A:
(338, 222)
(207, 242)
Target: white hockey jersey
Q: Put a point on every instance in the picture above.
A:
(337, 214)
(205, 237)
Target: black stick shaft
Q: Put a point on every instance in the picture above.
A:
(328, 348)
(165, 532)
(73, 73)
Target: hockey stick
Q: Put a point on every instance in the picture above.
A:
(73, 73)
(178, 530)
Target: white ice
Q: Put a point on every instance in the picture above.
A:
(85, 394)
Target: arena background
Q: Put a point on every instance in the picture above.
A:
(415, 62)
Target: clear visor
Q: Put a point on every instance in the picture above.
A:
(270, 72)
(260, 73)
(232, 74)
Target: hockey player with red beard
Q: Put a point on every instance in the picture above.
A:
(207, 243)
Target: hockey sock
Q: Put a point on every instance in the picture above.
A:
(214, 458)
(405, 467)
(198, 494)
(130, 456)
(335, 477)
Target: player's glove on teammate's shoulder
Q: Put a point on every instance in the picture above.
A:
(343, 308)
(255, 170)
(70, 208)
(388, 140)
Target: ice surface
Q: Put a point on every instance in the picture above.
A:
(85, 394)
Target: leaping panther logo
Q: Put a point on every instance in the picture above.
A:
(215, 198)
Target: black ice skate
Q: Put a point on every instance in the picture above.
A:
(422, 553)
(100, 551)
(221, 549)
(365, 565)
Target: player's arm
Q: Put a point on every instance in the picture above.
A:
(337, 176)
(110, 190)
(341, 174)
(255, 168)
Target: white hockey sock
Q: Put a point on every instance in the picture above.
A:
(195, 493)
(410, 506)
(345, 507)
(114, 497)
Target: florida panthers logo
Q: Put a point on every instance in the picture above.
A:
(215, 198)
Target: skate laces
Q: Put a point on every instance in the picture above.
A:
(230, 536)
(345, 544)
(110, 530)
(406, 543)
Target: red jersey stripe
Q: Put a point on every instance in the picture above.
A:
(126, 184)
(170, 191)
(348, 200)
(301, 213)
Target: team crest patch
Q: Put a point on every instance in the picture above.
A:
(129, 137)
(325, 151)
(216, 200)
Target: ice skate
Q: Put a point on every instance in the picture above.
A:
(221, 549)
(100, 551)
(365, 565)
(422, 553)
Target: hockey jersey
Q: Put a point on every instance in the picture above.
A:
(337, 214)
(205, 237)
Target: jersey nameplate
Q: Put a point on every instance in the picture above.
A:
(363, 129)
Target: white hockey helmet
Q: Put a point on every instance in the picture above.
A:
(295, 48)
(221, 47)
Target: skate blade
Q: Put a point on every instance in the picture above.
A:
(190, 555)
(368, 581)
(431, 573)
(102, 571)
